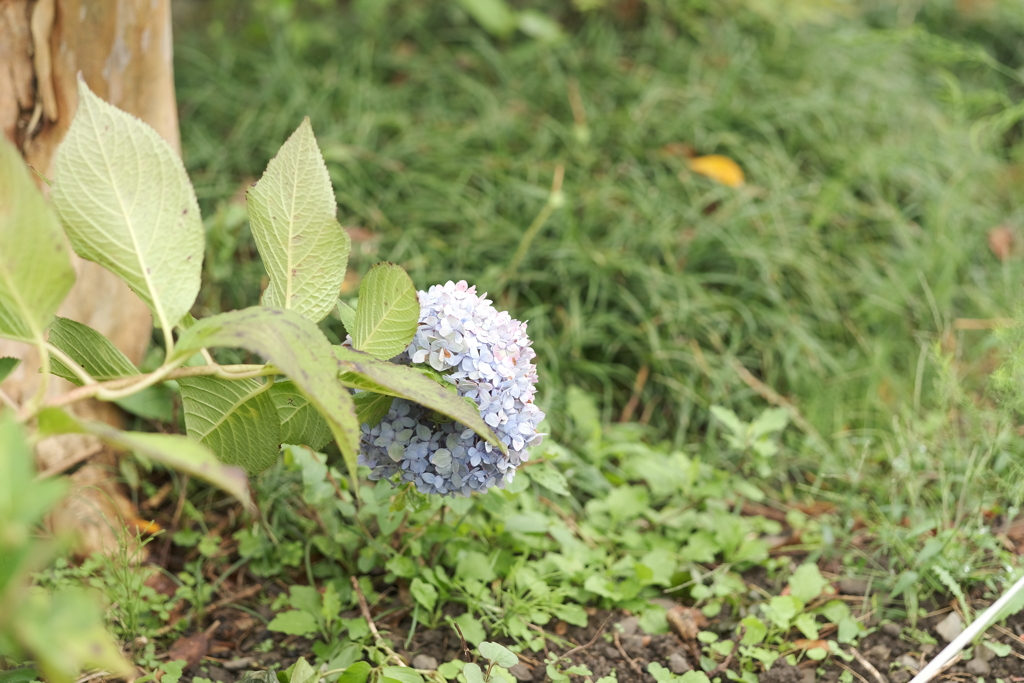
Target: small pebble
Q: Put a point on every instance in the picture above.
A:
(521, 672)
(629, 626)
(808, 676)
(678, 664)
(950, 627)
(909, 661)
(426, 662)
(879, 653)
(982, 652)
(978, 667)
(900, 676)
(889, 628)
(928, 648)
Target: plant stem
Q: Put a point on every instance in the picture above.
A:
(72, 365)
(119, 388)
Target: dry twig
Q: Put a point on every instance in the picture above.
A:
(868, 666)
(581, 648)
(632, 663)
(364, 607)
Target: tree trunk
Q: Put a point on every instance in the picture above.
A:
(123, 50)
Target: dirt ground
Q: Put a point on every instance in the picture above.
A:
(233, 647)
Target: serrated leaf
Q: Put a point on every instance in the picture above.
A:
(499, 654)
(292, 213)
(301, 424)
(388, 312)
(362, 371)
(35, 267)
(7, 366)
(172, 450)
(297, 348)
(236, 419)
(96, 354)
(126, 203)
(347, 316)
(371, 407)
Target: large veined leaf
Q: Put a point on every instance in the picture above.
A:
(175, 451)
(301, 424)
(35, 267)
(126, 203)
(388, 312)
(90, 349)
(362, 371)
(235, 418)
(292, 212)
(7, 366)
(297, 348)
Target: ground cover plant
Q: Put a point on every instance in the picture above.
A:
(775, 450)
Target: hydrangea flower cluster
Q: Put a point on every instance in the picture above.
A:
(486, 355)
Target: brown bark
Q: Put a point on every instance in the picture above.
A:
(123, 50)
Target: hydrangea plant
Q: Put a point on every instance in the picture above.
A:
(485, 354)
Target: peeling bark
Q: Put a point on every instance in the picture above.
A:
(123, 49)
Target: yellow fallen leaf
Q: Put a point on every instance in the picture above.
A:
(719, 168)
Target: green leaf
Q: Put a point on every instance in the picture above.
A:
(152, 403)
(7, 366)
(301, 424)
(302, 672)
(347, 316)
(172, 450)
(388, 312)
(548, 476)
(807, 626)
(96, 354)
(729, 419)
(499, 654)
(73, 619)
(807, 582)
(473, 673)
(35, 268)
(754, 632)
(423, 593)
(297, 348)
(294, 623)
(292, 213)
(452, 669)
(571, 613)
(236, 419)
(471, 628)
(372, 407)
(316, 489)
(25, 675)
(770, 421)
(402, 566)
(399, 674)
(362, 371)
(495, 16)
(126, 203)
(356, 673)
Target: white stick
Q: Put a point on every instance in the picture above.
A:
(960, 642)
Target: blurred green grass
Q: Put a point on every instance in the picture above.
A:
(877, 160)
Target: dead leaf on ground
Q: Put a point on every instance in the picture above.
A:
(1000, 241)
(719, 168)
(685, 622)
(805, 644)
(190, 648)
